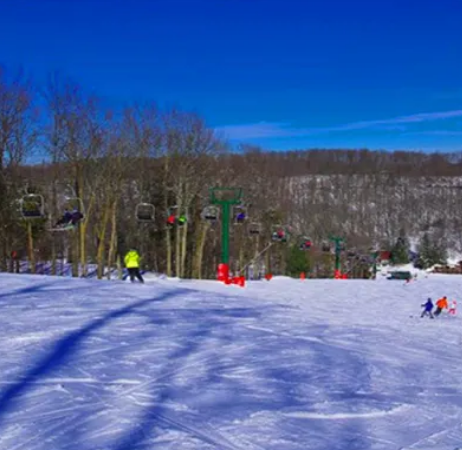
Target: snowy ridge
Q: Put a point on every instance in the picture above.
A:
(279, 365)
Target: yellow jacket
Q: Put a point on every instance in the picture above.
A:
(132, 260)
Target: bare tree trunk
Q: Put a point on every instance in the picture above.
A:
(168, 238)
(168, 244)
(257, 264)
(3, 261)
(75, 254)
(53, 256)
(113, 240)
(184, 243)
(178, 251)
(120, 270)
(201, 236)
(53, 238)
(102, 242)
(268, 261)
(30, 247)
(83, 226)
(242, 248)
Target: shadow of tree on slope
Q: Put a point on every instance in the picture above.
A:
(30, 289)
(207, 324)
(331, 375)
(64, 349)
(335, 375)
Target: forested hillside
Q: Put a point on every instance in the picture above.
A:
(107, 163)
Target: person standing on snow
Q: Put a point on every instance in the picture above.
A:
(428, 309)
(452, 308)
(441, 304)
(132, 263)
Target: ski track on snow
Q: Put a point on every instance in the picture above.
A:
(354, 372)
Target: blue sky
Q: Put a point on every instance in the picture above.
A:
(281, 74)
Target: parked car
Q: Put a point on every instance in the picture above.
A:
(399, 275)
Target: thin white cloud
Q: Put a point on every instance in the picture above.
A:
(280, 129)
(415, 118)
(259, 130)
(436, 133)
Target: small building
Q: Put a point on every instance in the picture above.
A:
(384, 257)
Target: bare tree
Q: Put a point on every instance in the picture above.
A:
(76, 139)
(18, 135)
(189, 150)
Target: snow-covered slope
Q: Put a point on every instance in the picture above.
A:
(280, 365)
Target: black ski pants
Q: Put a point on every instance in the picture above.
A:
(134, 272)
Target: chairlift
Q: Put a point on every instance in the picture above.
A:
(182, 220)
(173, 218)
(278, 233)
(74, 204)
(211, 213)
(239, 214)
(70, 220)
(145, 212)
(32, 206)
(254, 228)
(67, 227)
(305, 243)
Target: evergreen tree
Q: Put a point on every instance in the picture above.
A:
(400, 251)
(430, 253)
(297, 261)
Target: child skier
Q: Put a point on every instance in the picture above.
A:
(427, 308)
(452, 308)
(441, 304)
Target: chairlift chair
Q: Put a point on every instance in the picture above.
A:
(254, 229)
(305, 243)
(67, 227)
(74, 204)
(239, 214)
(211, 213)
(145, 212)
(173, 218)
(278, 233)
(182, 220)
(32, 206)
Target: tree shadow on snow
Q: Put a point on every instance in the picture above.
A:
(25, 290)
(208, 323)
(66, 347)
(292, 379)
(293, 395)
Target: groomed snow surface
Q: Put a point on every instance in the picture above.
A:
(182, 365)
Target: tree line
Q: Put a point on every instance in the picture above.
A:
(112, 160)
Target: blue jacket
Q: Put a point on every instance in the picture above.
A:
(429, 305)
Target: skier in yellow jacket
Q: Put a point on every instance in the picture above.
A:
(132, 263)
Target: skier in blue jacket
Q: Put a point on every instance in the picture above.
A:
(428, 307)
